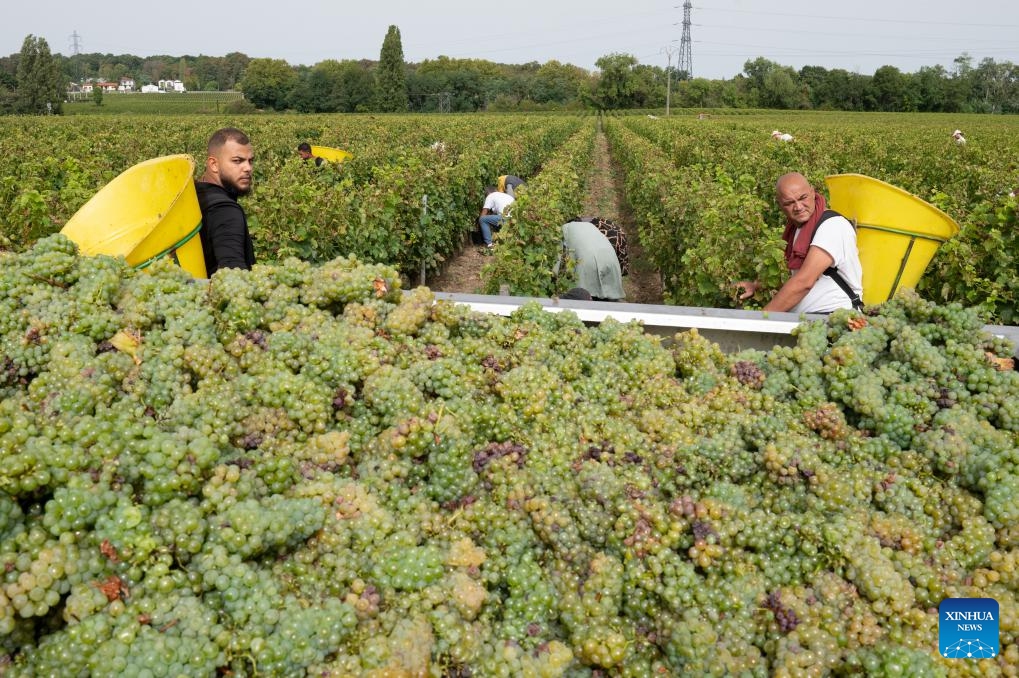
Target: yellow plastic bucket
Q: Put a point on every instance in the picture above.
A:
(147, 212)
(897, 233)
(331, 154)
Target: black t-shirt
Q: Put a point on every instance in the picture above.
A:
(226, 241)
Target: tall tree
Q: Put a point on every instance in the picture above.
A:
(781, 89)
(757, 86)
(887, 88)
(932, 83)
(267, 83)
(357, 88)
(992, 82)
(559, 83)
(617, 86)
(813, 79)
(391, 79)
(39, 80)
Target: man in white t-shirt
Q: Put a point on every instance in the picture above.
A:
(820, 245)
(495, 209)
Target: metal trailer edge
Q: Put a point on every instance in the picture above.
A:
(733, 330)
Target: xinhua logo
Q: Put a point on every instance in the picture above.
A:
(968, 628)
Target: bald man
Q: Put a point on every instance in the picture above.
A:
(820, 252)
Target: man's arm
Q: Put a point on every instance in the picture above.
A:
(796, 287)
(488, 207)
(228, 235)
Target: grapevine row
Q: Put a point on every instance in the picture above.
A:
(373, 206)
(971, 183)
(530, 243)
(701, 230)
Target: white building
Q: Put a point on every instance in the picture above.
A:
(126, 85)
(150, 88)
(171, 86)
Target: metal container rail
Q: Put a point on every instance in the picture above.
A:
(732, 330)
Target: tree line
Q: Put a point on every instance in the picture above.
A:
(35, 77)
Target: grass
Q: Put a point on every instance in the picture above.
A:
(154, 102)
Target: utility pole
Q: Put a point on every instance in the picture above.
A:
(685, 43)
(669, 50)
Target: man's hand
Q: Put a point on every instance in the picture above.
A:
(749, 287)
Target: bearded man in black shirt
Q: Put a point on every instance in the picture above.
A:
(225, 237)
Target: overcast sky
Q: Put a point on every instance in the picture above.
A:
(858, 36)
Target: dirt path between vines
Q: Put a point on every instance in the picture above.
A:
(605, 199)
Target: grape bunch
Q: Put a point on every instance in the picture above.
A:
(301, 470)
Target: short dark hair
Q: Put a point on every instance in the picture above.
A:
(304, 146)
(576, 293)
(225, 134)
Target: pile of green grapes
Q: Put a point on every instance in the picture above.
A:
(304, 470)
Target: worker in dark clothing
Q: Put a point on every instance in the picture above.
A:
(304, 150)
(508, 184)
(225, 238)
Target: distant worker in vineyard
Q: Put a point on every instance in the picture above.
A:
(493, 212)
(224, 233)
(820, 251)
(508, 184)
(597, 267)
(616, 236)
(304, 150)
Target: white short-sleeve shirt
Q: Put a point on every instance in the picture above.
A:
(837, 237)
(498, 201)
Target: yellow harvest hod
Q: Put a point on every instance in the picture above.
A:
(330, 154)
(896, 232)
(147, 212)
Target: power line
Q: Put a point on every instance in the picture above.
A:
(940, 39)
(806, 51)
(868, 19)
(75, 43)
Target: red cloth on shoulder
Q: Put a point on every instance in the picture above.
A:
(796, 251)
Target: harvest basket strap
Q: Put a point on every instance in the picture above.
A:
(902, 267)
(172, 249)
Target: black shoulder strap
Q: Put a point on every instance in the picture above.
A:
(211, 195)
(832, 272)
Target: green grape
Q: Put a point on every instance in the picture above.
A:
(302, 469)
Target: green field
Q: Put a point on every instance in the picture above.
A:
(179, 103)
